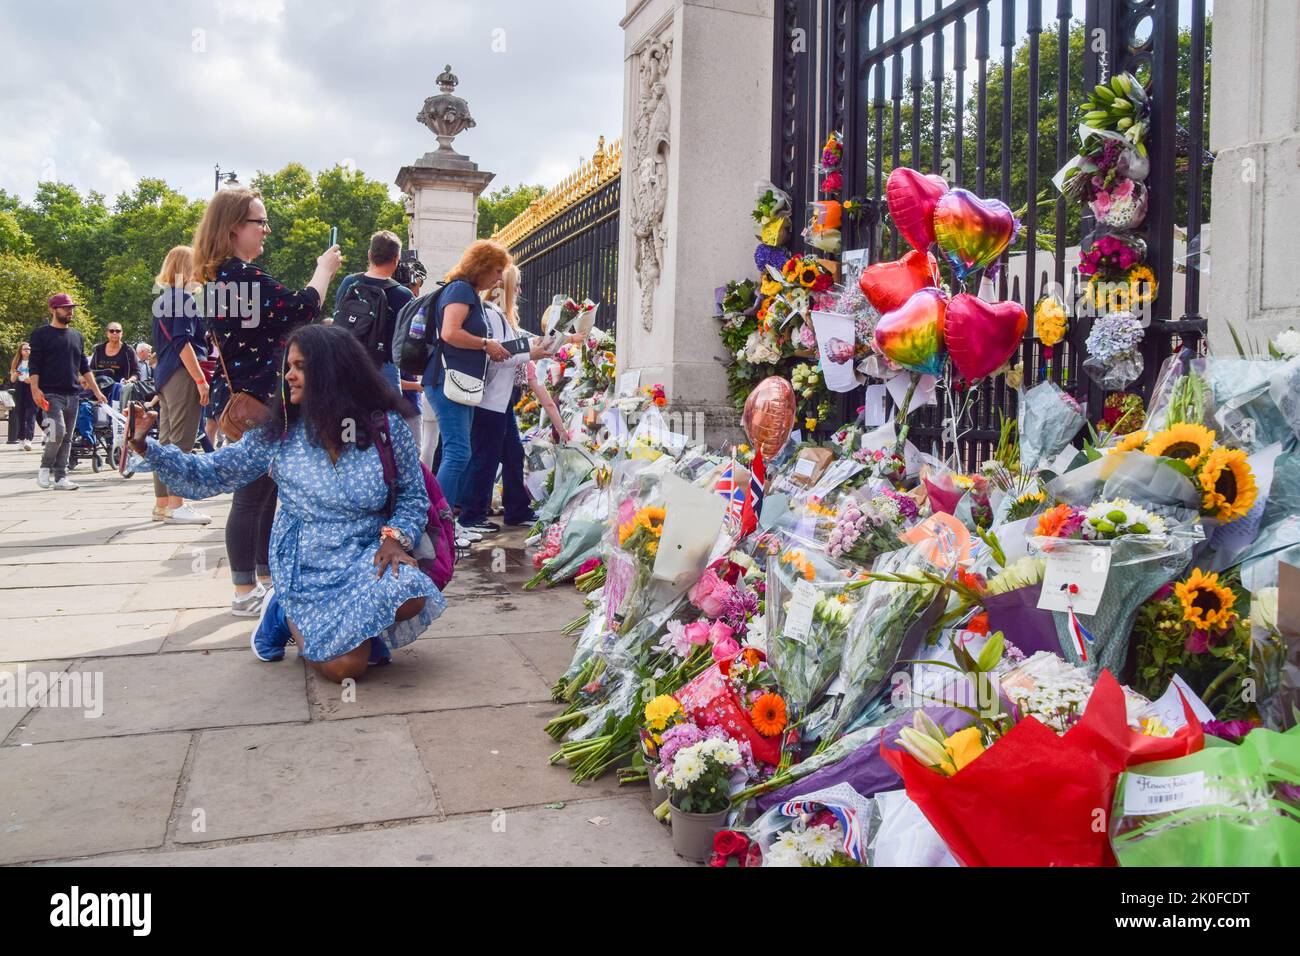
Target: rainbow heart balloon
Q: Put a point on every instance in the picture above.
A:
(980, 336)
(911, 336)
(972, 232)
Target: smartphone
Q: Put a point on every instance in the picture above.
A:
(517, 346)
(334, 235)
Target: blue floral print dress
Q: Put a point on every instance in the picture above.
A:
(326, 531)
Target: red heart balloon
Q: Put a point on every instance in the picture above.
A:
(887, 285)
(982, 335)
(912, 198)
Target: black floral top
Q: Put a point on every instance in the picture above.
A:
(251, 314)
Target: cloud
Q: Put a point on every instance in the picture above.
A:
(102, 94)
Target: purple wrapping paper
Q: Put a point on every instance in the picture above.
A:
(864, 769)
(1017, 616)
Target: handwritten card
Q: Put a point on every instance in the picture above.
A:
(1085, 568)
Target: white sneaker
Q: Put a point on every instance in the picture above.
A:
(63, 484)
(463, 532)
(43, 478)
(186, 515)
(27, 445)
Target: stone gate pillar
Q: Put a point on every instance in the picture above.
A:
(1255, 199)
(442, 187)
(697, 94)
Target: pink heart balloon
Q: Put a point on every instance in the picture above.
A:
(913, 334)
(887, 285)
(972, 232)
(982, 335)
(912, 198)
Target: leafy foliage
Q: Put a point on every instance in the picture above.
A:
(500, 206)
(26, 283)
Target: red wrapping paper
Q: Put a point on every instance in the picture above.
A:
(710, 701)
(1036, 799)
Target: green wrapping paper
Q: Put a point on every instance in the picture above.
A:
(1224, 806)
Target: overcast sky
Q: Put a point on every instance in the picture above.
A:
(99, 94)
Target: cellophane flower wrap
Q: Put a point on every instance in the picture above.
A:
(1049, 420)
(1030, 799)
(1228, 805)
(827, 827)
(583, 531)
(888, 613)
(1114, 360)
(637, 514)
(573, 468)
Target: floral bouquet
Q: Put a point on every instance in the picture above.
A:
(580, 531)
(772, 215)
(737, 696)
(1010, 600)
(1028, 796)
(1122, 206)
(1192, 629)
(810, 605)
(1223, 477)
(827, 827)
(1049, 420)
(891, 617)
(1118, 280)
(1224, 806)
(807, 272)
(698, 775)
(866, 528)
(1114, 360)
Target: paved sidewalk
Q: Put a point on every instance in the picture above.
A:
(204, 755)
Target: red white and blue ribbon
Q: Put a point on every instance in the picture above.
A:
(1077, 631)
(846, 817)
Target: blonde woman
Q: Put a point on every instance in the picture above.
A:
(250, 314)
(494, 437)
(181, 387)
(463, 329)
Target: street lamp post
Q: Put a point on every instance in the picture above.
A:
(230, 178)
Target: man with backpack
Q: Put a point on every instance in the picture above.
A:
(368, 303)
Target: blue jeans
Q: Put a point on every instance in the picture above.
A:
(455, 421)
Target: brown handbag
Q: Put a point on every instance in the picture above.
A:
(243, 412)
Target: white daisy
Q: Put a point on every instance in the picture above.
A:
(819, 844)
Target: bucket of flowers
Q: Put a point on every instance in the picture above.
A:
(698, 782)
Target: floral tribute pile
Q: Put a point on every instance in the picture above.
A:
(835, 649)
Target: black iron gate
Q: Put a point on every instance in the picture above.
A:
(894, 77)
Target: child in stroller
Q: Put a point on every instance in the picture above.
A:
(100, 428)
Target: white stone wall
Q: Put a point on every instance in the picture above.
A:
(1255, 134)
(719, 93)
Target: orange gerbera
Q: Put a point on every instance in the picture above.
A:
(1051, 522)
(768, 715)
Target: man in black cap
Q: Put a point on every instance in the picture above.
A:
(59, 369)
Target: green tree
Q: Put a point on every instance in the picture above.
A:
(70, 230)
(12, 238)
(26, 284)
(502, 205)
(303, 210)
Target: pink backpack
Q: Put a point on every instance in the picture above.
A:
(440, 525)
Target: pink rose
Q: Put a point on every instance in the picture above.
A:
(720, 631)
(697, 632)
(709, 593)
(725, 649)
(1198, 642)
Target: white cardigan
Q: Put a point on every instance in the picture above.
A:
(500, 379)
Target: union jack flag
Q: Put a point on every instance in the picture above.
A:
(753, 505)
(734, 494)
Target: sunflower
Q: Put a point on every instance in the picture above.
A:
(1141, 285)
(808, 275)
(1206, 603)
(1107, 295)
(768, 715)
(791, 269)
(769, 286)
(1187, 442)
(1228, 484)
(1133, 441)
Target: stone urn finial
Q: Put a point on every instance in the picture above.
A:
(446, 114)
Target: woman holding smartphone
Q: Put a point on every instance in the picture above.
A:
(250, 314)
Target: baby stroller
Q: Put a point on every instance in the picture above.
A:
(93, 437)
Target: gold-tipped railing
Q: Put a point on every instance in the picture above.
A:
(605, 164)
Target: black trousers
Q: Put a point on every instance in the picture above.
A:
(494, 440)
(22, 418)
(248, 530)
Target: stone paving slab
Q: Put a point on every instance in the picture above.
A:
(510, 614)
(158, 533)
(59, 638)
(97, 599)
(87, 796)
(624, 834)
(257, 780)
(496, 757)
(209, 629)
(431, 676)
(81, 575)
(549, 653)
(144, 695)
(13, 539)
(13, 715)
(188, 591)
(35, 553)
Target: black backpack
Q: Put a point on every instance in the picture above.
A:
(364, 313)
(415, 334)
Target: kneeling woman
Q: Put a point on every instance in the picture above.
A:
(344, 574)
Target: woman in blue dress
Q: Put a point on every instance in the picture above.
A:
(344, 572)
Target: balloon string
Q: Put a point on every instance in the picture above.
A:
(903, 424)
